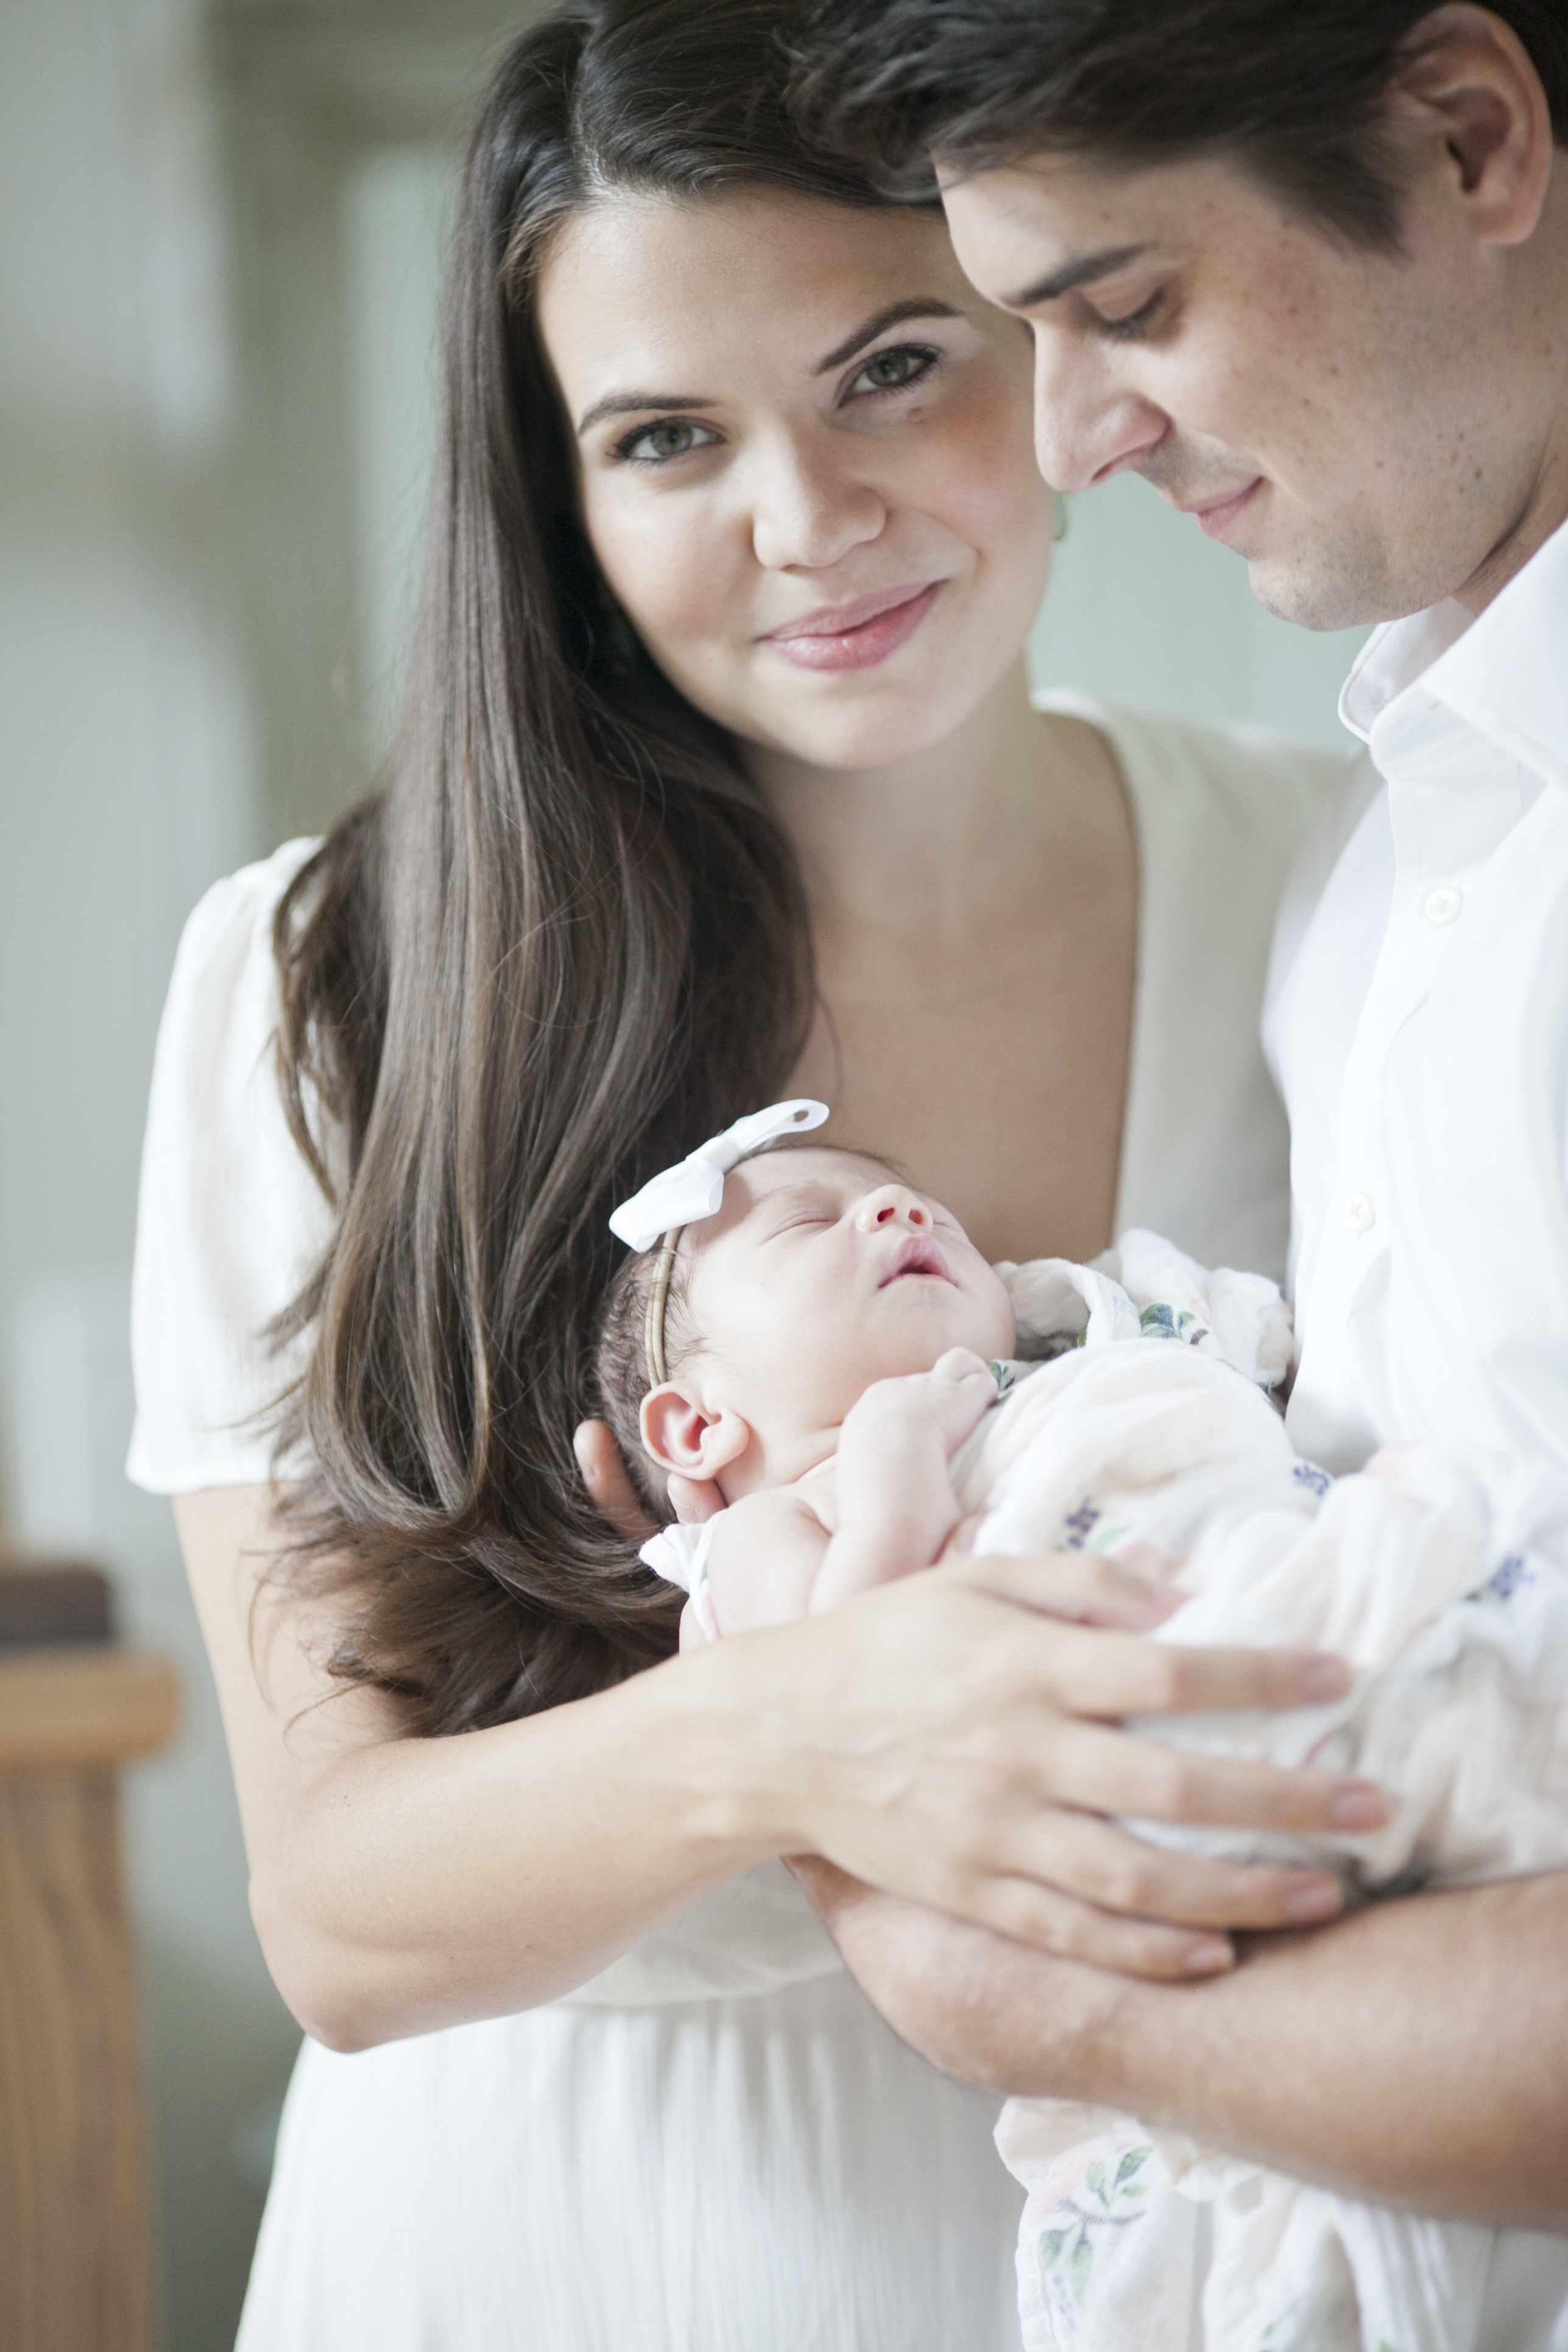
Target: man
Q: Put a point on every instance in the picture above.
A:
(1304, 263)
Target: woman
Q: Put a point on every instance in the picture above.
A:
(719, 780)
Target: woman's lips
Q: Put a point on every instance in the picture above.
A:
(857, 636)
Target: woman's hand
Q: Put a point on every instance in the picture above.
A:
(605, 1476)
(959, 1745)
(954, 1738)
(935, 1738)
(608, 1482)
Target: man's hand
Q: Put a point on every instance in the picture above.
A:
(985, 2008)
(1414, 2054)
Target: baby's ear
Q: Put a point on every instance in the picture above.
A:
(681, 1436)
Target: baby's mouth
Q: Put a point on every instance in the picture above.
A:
(916, 1256)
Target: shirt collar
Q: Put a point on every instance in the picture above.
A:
(1503, 673)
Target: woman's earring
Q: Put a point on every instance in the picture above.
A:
(620, 639)
(623, 643)
(1064, 516)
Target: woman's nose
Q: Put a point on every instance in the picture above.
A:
(809, 509)
(893, 1204)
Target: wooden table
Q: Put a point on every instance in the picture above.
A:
(74, 2238)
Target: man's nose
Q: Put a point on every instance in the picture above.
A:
(892, 1204)
(810, 508)
(1088, 423)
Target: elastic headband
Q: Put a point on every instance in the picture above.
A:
(688, 1193)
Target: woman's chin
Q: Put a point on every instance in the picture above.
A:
(880, 729)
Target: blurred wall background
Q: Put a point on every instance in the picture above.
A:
(218, 289)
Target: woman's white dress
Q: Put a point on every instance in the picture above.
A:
(716, 2145)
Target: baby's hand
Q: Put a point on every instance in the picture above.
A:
(895, 1493)
(948, 1399)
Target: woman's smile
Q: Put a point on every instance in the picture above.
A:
(856, 635)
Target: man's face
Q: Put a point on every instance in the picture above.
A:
(1343, 418)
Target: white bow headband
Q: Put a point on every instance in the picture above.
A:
(684, 1195)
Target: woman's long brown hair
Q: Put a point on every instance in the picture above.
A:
(566, 943)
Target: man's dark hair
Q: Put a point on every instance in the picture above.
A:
(1295, 90)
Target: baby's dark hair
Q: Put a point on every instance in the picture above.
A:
(620, 1352)
(620, 1362)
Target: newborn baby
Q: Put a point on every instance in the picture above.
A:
(829, 1338)
(832, 1355)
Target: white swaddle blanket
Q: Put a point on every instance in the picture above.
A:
(1432, 1586)
(1133, 2239)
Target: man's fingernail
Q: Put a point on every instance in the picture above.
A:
(1320, 1899)
(1359, 1805)
(1208, 1956)
(1327, 1678)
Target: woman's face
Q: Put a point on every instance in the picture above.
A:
(805, 461)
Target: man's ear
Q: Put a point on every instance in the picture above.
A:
(684, 1438)
(1473, 78)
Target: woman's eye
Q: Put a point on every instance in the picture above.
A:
(655, 445)
(894, 370)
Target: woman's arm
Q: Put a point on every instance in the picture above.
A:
(1415, 2053)
(921, 1738)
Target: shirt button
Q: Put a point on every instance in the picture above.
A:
(1443, 905)
(1360, 1211)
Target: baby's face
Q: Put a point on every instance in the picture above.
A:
(820, 1275)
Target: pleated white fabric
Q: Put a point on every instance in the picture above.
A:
(716, 2145)
(775, 2173)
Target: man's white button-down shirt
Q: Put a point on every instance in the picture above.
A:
(1418, 1026)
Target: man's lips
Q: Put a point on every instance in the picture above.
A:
(1214, 517)
(916, 1256)
(859, 635)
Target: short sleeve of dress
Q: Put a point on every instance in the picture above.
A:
(231, 1219)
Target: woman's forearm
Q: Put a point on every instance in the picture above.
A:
(421, 1884)
(921, 1737)
(1415, 2055)
(397, 1884)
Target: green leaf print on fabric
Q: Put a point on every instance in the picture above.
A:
(1066, 2250)
(1162, 1322)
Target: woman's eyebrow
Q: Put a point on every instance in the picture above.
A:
(632, 404)
(919, 307)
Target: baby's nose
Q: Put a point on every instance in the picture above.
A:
(892, 1205)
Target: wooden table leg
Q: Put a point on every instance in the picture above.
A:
(74, 2261)
(73, 2220)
